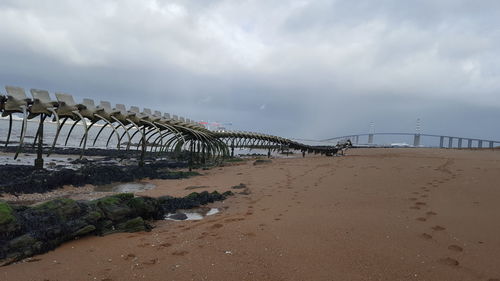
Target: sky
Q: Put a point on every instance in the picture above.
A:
(298, 69)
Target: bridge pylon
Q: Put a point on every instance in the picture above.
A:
(416, 137)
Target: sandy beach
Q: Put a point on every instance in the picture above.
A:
(375, 214)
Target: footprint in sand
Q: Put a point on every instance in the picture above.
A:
(420, 203)
(449, 261)
(455, 248)
(438, 228)
(164, 245)
(415, 207)
(128, 256)
(179, 253)
(421, 219)
(412, 199)
(217, 225)
(203, 235)
(151, 261)
(431, 213)
(233, 220)
(426, 236)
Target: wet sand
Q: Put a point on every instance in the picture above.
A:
(376, 214)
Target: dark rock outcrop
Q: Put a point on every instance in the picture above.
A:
(25, 179)
(26, 231)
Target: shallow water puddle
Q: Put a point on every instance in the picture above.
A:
(125, 187)
(191, 214)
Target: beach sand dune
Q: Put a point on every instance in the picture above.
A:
(375, 214)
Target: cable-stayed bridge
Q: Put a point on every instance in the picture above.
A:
(417, 140)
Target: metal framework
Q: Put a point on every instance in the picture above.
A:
(158, 132)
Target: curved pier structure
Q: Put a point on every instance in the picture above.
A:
(157, 132)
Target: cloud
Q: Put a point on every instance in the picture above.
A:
(325, 68)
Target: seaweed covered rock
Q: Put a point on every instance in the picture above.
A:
(8, 222)
(114, 207)
(26, 231)
(169, 204)
(145, 207)
(25, 179)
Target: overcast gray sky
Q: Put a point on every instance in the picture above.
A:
(301, 69)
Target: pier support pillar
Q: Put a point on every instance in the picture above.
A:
(450, 142)
(469, 143)
(143, 147)
(232, 149)
(460, 142)
(370, 138)
(203, 156)
(191, 151)
(416, 140)
(480, 144)
(441, 142)
(39, 150)
(491, 144)
(356, 140)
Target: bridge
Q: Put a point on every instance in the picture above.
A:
(445, 141)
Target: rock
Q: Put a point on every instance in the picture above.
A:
(93, 217)
(63, 207)
(227, 193)
(84, 230)
(8, 222)
(25, 179)
(145, 207)
(22, 242)
(239, 186)
(22, 246)
(105, 227)
(178, 216)
(30, 230)
(112, 207)
(133, 225)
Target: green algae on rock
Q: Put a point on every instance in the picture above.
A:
(26, 231)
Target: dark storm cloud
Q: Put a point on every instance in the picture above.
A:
(311, 69)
